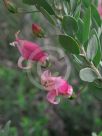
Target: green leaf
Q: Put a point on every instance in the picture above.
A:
(95, 15)
(87, 3)
(97, 58)
(47, 16)
(77, 11)
(88, 75)
(46, 6)
(100, 134)
(41, 3)
(69, 44)
(86, 25)
(73, 4)
(69, 25)
(29, 2)
(92, 47)
(80, 30)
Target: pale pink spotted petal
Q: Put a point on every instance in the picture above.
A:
(45, 75)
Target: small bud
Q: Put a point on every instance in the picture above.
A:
(10, 6)
(37, 30)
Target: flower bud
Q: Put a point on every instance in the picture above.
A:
(37, 30)
(10, 6)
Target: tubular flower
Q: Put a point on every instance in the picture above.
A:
(56, 86)
(29, 51)
(37, 30)
(100, 7)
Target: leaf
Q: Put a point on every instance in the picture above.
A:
(97, 58)
(88, 75)
(47, 16)
(77, 11)
(95, 15)
(69, 44)
(87, 3)
(41, 3)
(80, 30)
(78, 60)
(69, 25)
(73, 4)
(100, 134)
(92, 47)
(29, 2)
(86, 25)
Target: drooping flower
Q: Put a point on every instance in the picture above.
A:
(99, 8)
(56, 86)
(29, 51)
(37, 30)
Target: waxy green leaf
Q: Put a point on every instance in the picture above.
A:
(69, 44)
(47, 16)
(95, 15)
(41, 3)
(92, 47)
(88, 75)
(69, 25)
(86, 25)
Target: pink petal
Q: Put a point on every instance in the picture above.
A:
(32, 51)
(45, 75)
(51, 97)
(100, 7)
(20, 61)
(99, 2)
(100, 11)
(63, 87)
(69, 91)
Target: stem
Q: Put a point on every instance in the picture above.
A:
(24, 11)
(91, 64)
(59, 17)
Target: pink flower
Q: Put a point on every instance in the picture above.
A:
(55, 86)
(29, 51)
(100, 7)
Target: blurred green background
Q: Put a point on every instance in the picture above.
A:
(25, 105)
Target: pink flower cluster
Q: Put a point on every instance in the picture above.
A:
(56, 86)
